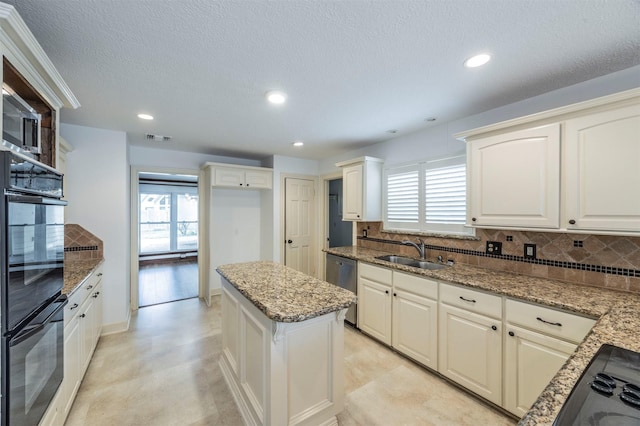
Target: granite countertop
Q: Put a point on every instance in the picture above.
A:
(617, 314)
(76, 271)
(284, 294)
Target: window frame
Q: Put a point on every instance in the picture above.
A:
(422, 226)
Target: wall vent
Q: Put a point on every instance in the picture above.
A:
(157, 138)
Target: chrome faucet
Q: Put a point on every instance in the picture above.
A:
(421, 248)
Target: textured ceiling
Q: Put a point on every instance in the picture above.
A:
(352, 69)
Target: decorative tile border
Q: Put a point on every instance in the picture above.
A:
(81, 248)
(559, 264)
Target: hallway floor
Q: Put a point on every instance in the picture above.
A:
(164, 371)
(167, 282)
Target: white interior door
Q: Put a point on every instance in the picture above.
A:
(299, 225)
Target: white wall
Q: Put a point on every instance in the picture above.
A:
(438, 140)
(142, 156)
(235, 229)
(97, 183)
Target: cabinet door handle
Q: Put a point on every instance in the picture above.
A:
(468, 300)
(289, 241)
(494, 328)
(394, 294)
(82, 315)
(572, 222)
(89, 287)
(550, 323)
(247, 184)
(386, 291)
(473, 219)
(75, 305)
(100, 274)
(511, 333)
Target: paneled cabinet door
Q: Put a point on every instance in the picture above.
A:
(470, 351)
(258, 179)
(87, 330)
(228, 177)
(602, 158)
(374, 309)
(531, 361)
(353, 192)
(514, 179)
(72, 373)
(415, 331)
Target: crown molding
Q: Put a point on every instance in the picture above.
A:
(24, 52)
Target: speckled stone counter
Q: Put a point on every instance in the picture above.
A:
(76, 271)
(284, 294)
(618, 315)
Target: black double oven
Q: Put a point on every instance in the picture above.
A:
(31, 303)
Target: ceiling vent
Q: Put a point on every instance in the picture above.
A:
(157, 138)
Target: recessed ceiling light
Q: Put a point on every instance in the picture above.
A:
(276, 97)
(145, 116)
(476, 61)
(430, 119)
(298, 143)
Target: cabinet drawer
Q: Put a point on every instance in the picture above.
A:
(374, 273)
(77, 298)
(556, 323)
(471, 300)
(415, 284)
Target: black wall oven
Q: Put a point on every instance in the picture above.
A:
(31, 304)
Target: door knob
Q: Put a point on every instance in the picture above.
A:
(289, 241)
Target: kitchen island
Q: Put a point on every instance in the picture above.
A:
(282, 344)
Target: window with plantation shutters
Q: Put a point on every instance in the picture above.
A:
(403, 198)
(429, 196)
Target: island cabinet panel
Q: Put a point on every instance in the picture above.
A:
(282, 373)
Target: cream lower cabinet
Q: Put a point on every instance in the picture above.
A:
(83, 325)
(470, 340)
(415, 318)
(375, 285)
(400, 310)
(538, 342)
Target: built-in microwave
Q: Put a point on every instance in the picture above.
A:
(20, 122)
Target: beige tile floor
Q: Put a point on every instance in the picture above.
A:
(164, 371)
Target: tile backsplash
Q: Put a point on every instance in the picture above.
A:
(81, 244)
(596, 260)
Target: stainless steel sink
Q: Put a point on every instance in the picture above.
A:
(401, 260)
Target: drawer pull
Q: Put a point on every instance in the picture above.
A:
(75, 305)
(550, 323)
(89, 287)
(100, 274)
(468, 300)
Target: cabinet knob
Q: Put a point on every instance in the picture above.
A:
(572, 222)
(473, 219)
(358, 215)
(494, 328)
(247, 184)
(82, 315)
(386, 291)
(89, 287)
(511, 333)
(289, 241)
(394, 294)
(100, 274)
(240, 184)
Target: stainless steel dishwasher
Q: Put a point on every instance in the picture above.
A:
(343, 272)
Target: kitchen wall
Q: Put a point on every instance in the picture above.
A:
(437, 140)
(596, 260)
(97, 188)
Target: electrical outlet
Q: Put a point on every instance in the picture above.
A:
(529, 251)
(494, 247)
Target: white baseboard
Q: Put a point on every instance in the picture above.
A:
(244, 409)
(215, 292)
(116, 327)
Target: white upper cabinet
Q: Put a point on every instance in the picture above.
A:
(570, 169)
(241, 177)
(362, 189)
(602, 169)
(515, 178)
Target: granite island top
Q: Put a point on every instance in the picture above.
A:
(284, 294)
(617, 314)
(76, 271)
